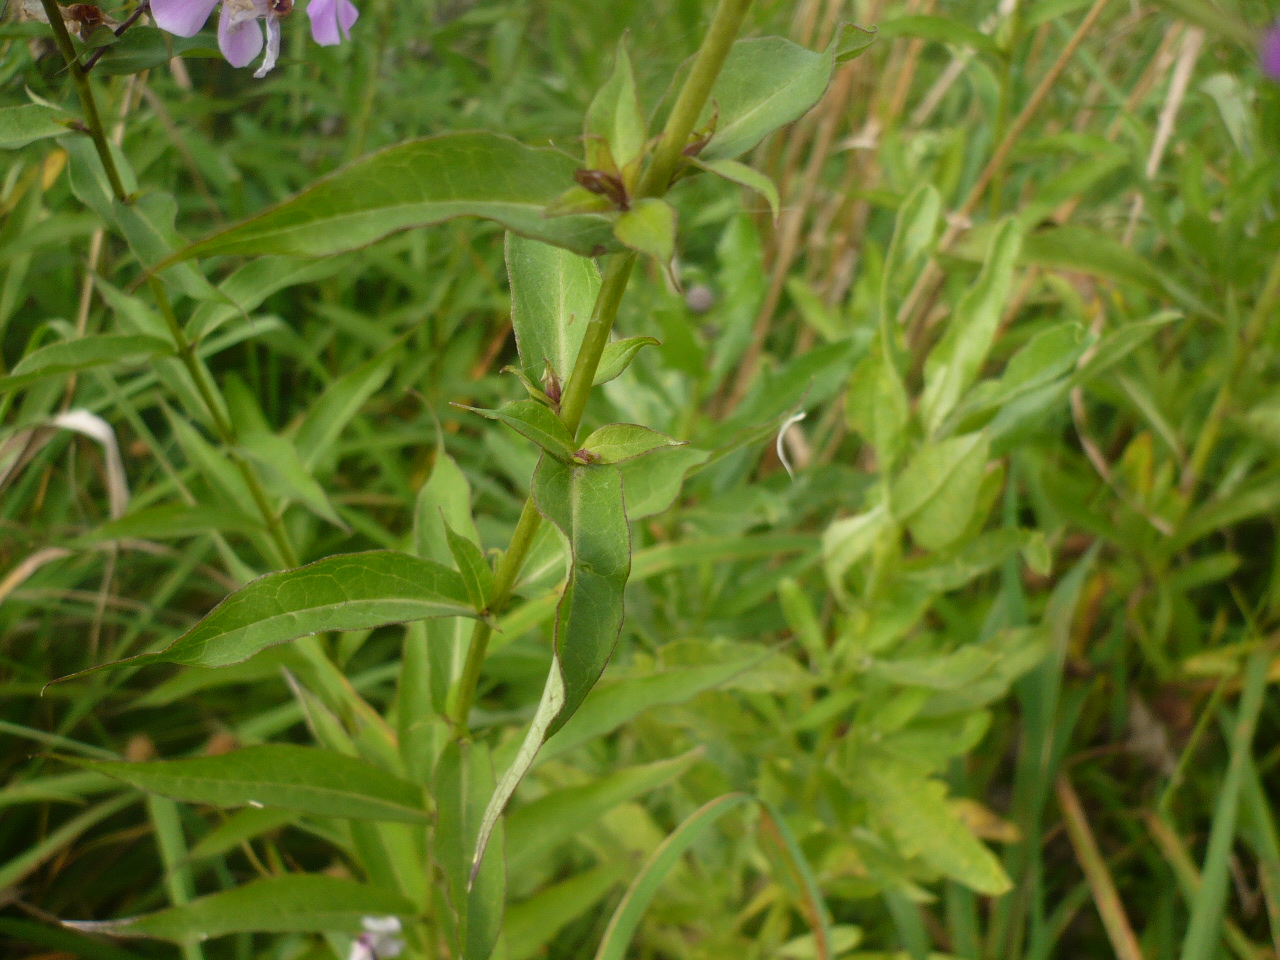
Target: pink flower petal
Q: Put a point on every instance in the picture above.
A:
(239, 42)
(331, 20)
(184, 18)
(1270, 53)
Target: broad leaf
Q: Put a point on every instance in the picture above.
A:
(617, 356)
(653, 482)
(30, 122)
(356, 591)
(58, 359)
(553, 292)
(416, 184)
(616, 442)
(585, 504)
(649, 227)
(915, 812)
(765, 83)
(293, 903)
(305, 779)
(937, 491)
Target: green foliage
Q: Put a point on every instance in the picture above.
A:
(948, 486)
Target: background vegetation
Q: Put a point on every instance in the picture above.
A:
(1028, 721)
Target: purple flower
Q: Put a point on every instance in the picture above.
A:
(1269, 52)
(330, 16)
(240, 38)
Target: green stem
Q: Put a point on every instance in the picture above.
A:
(93, 121)
(187, 354)
(81, 80)
(667, 155)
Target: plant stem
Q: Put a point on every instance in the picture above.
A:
(91, 118)
(187, 354)
(667, 155)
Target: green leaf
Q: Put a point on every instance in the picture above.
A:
(463, 784)
(585, 504)
(142, 48)
(916, 814)
(63, 941)
(765, 83)
(69, 356)
(616, 442)
(797, 876)
(30, 122)
(626, 917)
(415, 184)
(286, 476)
(445, 499)
(744, 176)
(617, 356)
(1048, 355)
(305, 779)
(477, 575)
(955, 362)
(536, 422)
(649, 227)
(946, 30)
(852, 41)
(147, 223)
(952, 472)
(553, 292)
(250, 285)
(294, 903)
(653, 482)
(534, 830)
(528, 926)
(239, 827)
(876, 404)
(608, 707)
(172, 521)
(355, 591)
(336, 407)
(614, 115)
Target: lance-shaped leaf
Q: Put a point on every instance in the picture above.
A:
(305, 779)
(614, 117)
(294, 903)
(615, 442)
(416, 184)
(535, 421)
(618, 355)
(955, 362)
(463, 785)
(477, 575)
(744, 176)
(937, 491)
(355, 591)
(585, 503)
(30, 122)
(768, 82)
(552, 294)
(69, 356)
